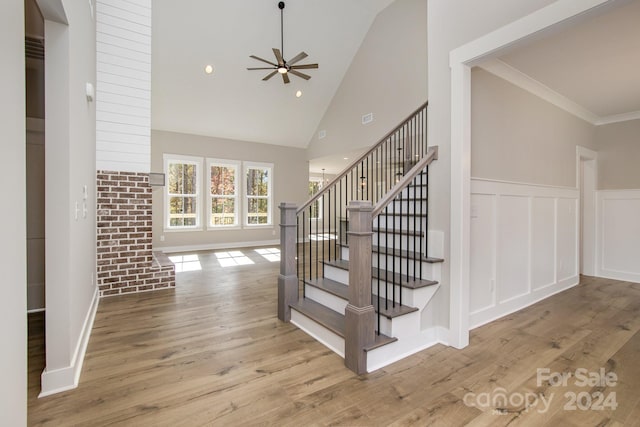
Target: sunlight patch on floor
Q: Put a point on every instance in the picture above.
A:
(270, 254)
(232, 258)
(186, 262)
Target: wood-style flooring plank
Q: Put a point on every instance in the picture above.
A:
(212, 352)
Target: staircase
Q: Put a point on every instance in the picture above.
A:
(358, 252)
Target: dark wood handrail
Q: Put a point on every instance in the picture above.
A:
(353, 164)
(432, 154)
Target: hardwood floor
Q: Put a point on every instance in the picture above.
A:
(212, 352)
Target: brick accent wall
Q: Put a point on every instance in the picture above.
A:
(126, 262)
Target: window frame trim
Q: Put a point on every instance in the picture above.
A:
(246, 165)
(184, 159)
(237, 164)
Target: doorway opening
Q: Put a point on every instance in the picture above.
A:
(587, 182)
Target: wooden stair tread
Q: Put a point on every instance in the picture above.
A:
(332, 320)
(383, 213)
(376, 273)
(401, 253)
(390, 311)
(326, 317)
(381, 339)
(342, 291)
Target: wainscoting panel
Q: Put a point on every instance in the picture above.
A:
(543, 248)
(483, 263)
(524, 246)
(618, 234)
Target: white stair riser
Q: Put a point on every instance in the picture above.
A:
(319, 332)
(398, 222)
(344, 253)
(327, 299)
(400, 241)
(398, 327)
(418, 298)
(430, 271)
(401, 327)
(336, 274)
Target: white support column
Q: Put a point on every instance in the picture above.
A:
(460, 203)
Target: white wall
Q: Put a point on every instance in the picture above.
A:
(13, 304)
(290, 175)
(71, 293)
(387, 77)
(124, 86)
(524, 246)
(517, 136)
(618, 201)
(452, 23)
(618, 155)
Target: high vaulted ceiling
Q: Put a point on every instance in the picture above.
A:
(233, 102)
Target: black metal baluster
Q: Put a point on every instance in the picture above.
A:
(386, 257)
(304, 254)
(311, 247)
(426, 220)
(422, 232)
(415, 212)
(297, 247)
(328, 226)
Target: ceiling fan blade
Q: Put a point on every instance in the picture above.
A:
(304, 66)
(270, 75)
(285, 77)
(296, 73)
(279, 57)
(263, 60)
(297, 58)
(261, 68)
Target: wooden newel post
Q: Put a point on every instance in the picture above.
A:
(359, 314)
(288, 278)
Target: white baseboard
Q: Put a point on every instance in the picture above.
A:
(213, 246)
(618, 275)
(62, 379)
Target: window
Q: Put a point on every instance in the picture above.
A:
(182, 192)
(258, 193)
(315, 185)
(223, 193)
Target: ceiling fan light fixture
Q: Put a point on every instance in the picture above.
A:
(282, 66)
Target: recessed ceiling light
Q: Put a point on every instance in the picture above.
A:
(298, 94)
(208, 69)
(345, 158)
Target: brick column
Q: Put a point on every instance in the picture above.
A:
(125, 261)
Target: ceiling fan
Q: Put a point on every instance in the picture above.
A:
(281, 66)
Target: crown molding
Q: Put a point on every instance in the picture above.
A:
(524, 81)
(633, 115)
